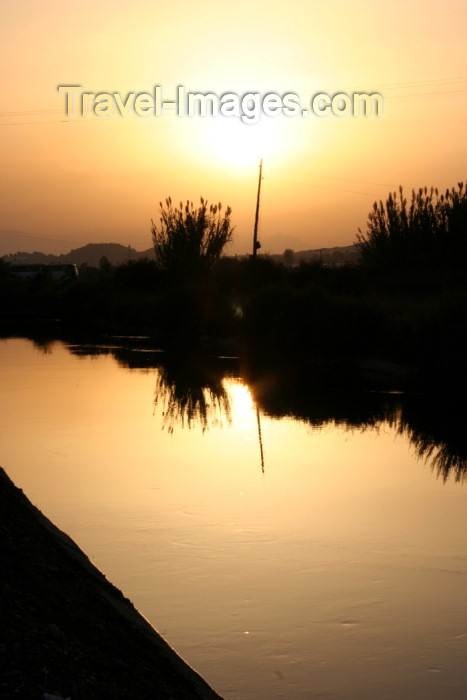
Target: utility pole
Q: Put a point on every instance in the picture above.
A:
(256, 243)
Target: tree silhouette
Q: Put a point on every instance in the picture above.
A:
(432, 229)
(189, 240)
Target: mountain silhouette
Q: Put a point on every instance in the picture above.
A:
(90, 254)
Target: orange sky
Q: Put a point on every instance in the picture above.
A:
(65, 183)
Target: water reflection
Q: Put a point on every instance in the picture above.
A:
(192, 393)
(436, 428)
(43, 345)
(260, 438)
(434, 425)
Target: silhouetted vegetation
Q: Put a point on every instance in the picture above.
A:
(431, 230)
(188, 241)
(404, 305)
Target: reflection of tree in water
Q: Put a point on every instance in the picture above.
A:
(43, 345)
(437, 431)
(191, 393)
(442, 458)
(434, 426)
(190, 389)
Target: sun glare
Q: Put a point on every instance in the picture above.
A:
(231, 142)
(242, 402)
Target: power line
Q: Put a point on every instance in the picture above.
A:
(409, 84)
(333, 177)
(425, 94)
(325, 187)
(60, 121)
(427, 83)
(29, 112)
(311, 184)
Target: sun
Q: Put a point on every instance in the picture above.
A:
(231, 142)
(243, 145)
(236, 143)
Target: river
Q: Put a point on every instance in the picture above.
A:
(287, 542)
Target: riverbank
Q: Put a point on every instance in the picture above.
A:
(340, 317)
(66, 630)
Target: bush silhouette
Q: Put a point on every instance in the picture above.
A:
(431, 230)
(189, 240)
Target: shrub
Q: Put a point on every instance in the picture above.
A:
(431, 230)
(188, 241)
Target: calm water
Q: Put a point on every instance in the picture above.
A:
(286, 546)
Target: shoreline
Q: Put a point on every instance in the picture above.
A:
(67, 631)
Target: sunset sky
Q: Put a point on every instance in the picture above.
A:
(67, 182)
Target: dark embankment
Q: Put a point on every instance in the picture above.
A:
(66, 630)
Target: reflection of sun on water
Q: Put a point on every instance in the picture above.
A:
(241, 402)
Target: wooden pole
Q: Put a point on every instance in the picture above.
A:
(256, 243)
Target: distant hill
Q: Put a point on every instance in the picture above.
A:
(92, 253)
(339, 255)
(277, 243)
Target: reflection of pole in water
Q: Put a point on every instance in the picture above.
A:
(260, 439)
